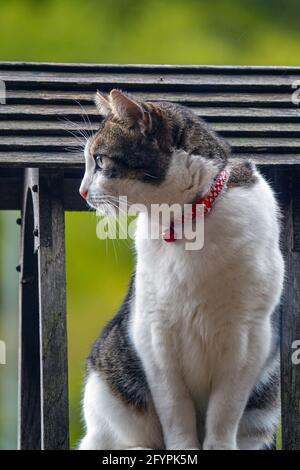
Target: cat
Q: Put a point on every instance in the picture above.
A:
(191, 360)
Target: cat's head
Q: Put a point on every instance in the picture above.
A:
(136, 153)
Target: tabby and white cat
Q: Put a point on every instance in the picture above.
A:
(191, 360)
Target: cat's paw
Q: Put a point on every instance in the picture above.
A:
(139, 448)
(183, 446)
(218, 445)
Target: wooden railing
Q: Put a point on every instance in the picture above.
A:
(251, 106)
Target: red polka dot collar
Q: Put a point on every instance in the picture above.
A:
(208, 201)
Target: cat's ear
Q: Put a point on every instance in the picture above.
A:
(103, 104)
(127, 108)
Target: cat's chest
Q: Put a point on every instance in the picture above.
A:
(182, 304)
(181, 284)
(176, 293)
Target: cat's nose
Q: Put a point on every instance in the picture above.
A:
(83, 193)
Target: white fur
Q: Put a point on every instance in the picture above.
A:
(201, 320)
(110, 425)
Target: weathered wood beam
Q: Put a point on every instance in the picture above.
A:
(289, 187)
(48, 247)
(29, 419)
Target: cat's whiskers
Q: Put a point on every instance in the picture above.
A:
(110, 199)
(74, 151)
(113, 215)
(109, 204)
(78, 131)
(81, 140)
(87, 121)
(123, 212)
(76, 128)
(122, 230)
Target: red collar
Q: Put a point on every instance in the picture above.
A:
(208, 201)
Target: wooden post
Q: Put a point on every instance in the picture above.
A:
(289, 184)
(29, 435)
(48, 244)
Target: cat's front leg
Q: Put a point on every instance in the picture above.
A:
(172, 400)
(233, 379)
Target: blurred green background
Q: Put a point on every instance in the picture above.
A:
(256, 32)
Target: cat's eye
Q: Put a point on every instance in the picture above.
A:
(99, 162)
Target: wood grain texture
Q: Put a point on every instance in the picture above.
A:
(117, 68)
(54, 127)
(11, 188)
(44, 412)
(29, 413)
(37, 96)
(290, 372)
(10, 193)
(250, 106)
(52, 307)
(74, 111)
(70, 161)
(138, 80)
(50, 144)
(296, 213)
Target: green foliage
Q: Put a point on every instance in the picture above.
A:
(149, 31)
(98, 272)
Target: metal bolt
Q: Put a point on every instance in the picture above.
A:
(18, 268)
(35, 188)
(19, 221)
(27, 280)
(36, 232)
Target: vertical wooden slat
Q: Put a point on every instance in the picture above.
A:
(29, 433)
(50, 233)
(44, 413)
(290, 372)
